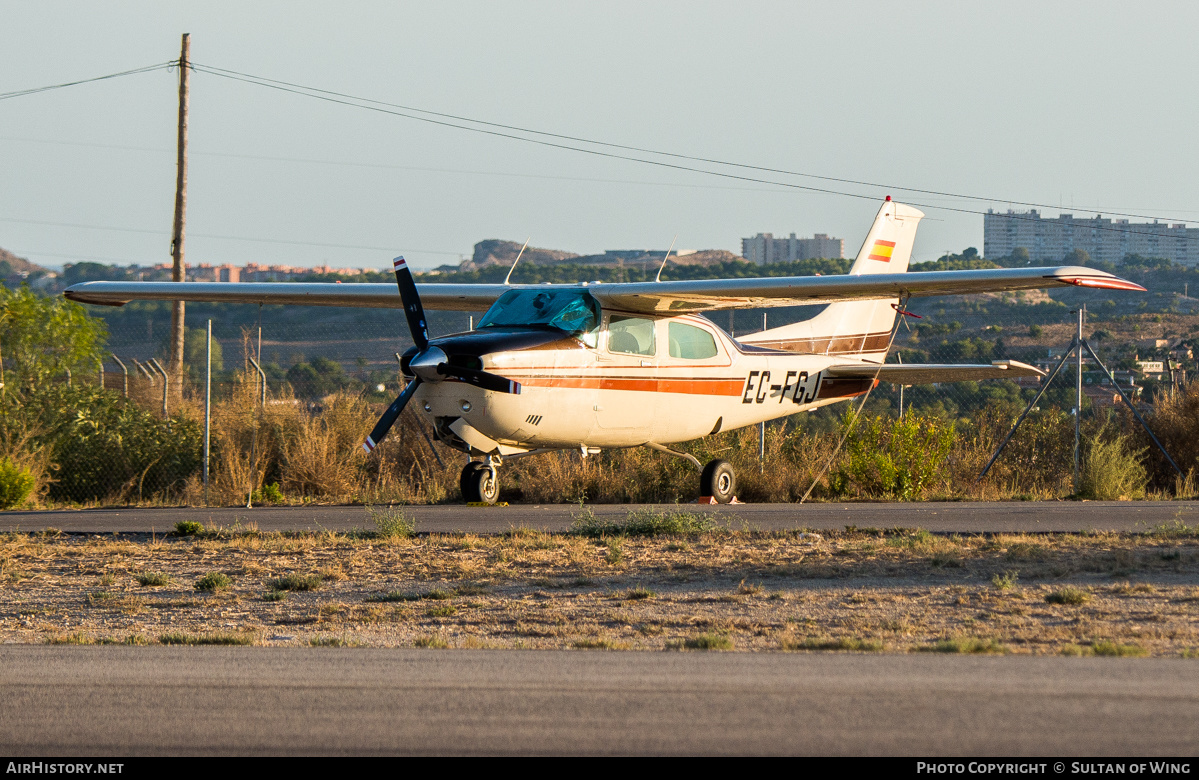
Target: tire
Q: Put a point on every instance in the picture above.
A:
(718, 481)
(477, 484)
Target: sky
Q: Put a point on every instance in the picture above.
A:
(1083, 108)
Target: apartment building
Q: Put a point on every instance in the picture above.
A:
(764, 248)
(1050, 240)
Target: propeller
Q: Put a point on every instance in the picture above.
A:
(430, 364)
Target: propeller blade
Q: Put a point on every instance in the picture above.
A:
(412, 306)
(493, 382)
(389, 417)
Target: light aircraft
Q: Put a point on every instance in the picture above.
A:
(587, 367)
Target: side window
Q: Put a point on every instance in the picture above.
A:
(690, 343)
(630, 335)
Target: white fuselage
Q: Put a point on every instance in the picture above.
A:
(614, 393)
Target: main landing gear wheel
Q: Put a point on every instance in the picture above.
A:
(718, 481)
(478, 485)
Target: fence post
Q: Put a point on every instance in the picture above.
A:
(166, 382)
(124, 371)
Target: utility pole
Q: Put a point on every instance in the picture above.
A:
(177, 326)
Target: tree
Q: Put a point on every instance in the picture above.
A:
(43, 338)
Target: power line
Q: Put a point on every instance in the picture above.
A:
(226, 237)
(342, 97)
(659, 163)
(36, 90)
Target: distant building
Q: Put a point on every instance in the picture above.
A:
(1050, 240)
(764, 248)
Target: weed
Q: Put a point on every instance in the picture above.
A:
(212, 581)
(749, 590)
(395, 595)
(295, 582)
(471, 589)
(644, 522)
(153, 579)
(639, 593)
(107, 579)
(274, 595)
(188, 528)
(441, 610)
(1112, 470)
(330, 641)
(1005, 581)
(966, 644)
(431, 642)
(599, 643)
(615, 552)
(709, 642)
(851, 644)
(437, 594)
(206, 639)
(391, 523)
(1109, 648)
(1068, 595)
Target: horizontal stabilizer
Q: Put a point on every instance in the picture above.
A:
(933, 373)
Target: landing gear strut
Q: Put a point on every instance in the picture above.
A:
(718, 481)
(479, 482)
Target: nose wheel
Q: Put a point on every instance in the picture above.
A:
(480, 484)
(718, 481)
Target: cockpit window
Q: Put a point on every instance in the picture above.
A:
(572, 311)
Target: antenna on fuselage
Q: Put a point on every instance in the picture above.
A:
(664, 259)
(517, 260)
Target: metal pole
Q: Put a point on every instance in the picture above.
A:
(472, 322)
(207, 409)
(1027, 409)
(1137, 414)
(761, 445)
(124, 370)
(1078, 399)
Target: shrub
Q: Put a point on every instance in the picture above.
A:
(188, 528)
(295, 582)
(212, 581)
(1068, 595)
(392, 523)
(889, 458)
(153, 578)
(1112, 470)
(16, 484)
(709, 642)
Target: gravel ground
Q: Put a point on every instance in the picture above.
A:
(905, 591)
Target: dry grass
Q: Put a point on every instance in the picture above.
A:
(846, 591)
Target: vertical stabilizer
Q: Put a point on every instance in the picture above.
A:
(858, 328)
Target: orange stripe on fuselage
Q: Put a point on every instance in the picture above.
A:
(729, 387)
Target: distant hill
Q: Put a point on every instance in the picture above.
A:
(13, 266)
(497, 252)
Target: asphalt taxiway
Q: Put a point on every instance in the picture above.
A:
(948, 517)
(62, 701)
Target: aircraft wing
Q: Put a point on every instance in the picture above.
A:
(709, 294)
(454, 297)
(932, 373)
(663, 297)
